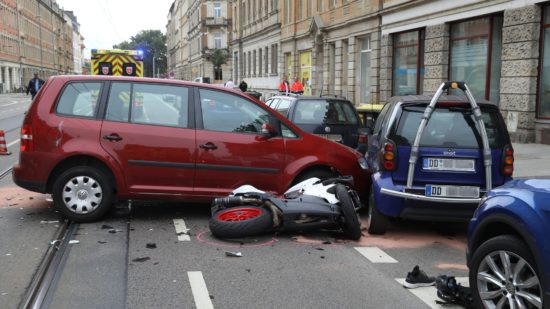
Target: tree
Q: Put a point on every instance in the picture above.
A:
(153, 44)
(218, 58)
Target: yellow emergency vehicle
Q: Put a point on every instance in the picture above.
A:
(117, 62)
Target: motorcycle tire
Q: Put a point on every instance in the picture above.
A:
(352, 229)
(241, 221)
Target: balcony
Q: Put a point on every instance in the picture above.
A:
(215, 21)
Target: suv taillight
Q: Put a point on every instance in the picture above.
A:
(26, 138)
(389, 157)
(508, 161)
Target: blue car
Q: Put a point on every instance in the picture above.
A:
(508, 246)
(433, 158)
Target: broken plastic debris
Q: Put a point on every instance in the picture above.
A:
(142, 259)
(233, 254)
(102, 242)
(113, 231)
(8, 254)
(74, 241)
(49, 200)
(4, 294)
(104, 227)
(49, 222)
(151, 245)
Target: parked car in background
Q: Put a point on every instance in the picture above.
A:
(205, 80)
(449, 176)
(509, 248)
(83, 141)
(333, 118)
(368, 113)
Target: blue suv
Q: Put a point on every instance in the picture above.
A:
(509, 248)
(433, 158)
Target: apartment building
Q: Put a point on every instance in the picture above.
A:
(34, 38)
(256, 44)
(500, 48)
(77, 42)
(195, 29)
(332, 46)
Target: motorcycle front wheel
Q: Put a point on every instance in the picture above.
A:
(352, 229)
(242, 221)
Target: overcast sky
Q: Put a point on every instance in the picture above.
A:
(104, 23)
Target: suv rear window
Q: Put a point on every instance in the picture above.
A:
(79, 99)
(449, 127)
(325, 112)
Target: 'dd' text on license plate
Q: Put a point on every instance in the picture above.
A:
(452, 191)
(442, 164)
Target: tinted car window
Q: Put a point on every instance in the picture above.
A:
(159, 105)
(448, 127)
(380, 119)
(118, 105)
(229, 113)
(325, 112)
(79, 99)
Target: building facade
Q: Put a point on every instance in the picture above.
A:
(500, 48)
(34, 38)
(77, 42)
(256, 44)
(196, 29)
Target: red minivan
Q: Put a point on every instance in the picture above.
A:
(89, 140)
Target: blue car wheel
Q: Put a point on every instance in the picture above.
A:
(503, 274)
(377, 223)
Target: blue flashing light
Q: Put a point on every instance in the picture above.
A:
(94, 50)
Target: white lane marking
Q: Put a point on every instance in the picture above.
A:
(13, 143)
(429, 294)
(375, 255)
(200, 292)
(181, 230)
(14, 102)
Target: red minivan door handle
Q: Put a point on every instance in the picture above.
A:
(209, 146)
(113, 137)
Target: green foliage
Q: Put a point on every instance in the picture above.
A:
(153, 44)
(218, 58)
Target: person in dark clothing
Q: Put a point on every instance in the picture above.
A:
(243, 86)
(34, 85)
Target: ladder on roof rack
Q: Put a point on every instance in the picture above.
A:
(487, 159)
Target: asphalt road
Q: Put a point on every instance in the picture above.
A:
(136, 258)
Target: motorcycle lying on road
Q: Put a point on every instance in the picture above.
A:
(312, 204)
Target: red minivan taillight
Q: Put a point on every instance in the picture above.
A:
(389, 162)
(26, 138)
(508, 161)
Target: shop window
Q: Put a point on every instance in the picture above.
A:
(476, 47)
(408, 62)
(543, 104)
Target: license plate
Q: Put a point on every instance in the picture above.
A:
(452, 191)
(452, 165)
(332, 137)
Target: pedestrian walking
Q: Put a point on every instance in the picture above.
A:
(284, 87)
(243, 86)
(297, 86)
(34, 85)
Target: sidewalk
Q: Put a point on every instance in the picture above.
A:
(531, 161)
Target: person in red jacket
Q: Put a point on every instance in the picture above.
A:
(297, 86)
(284, 87)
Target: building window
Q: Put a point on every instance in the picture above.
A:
(274, 60)
(408, 63)
(320, 5)
(299, 14)
(217, 40)
(254, 62)
(476, 47)
(287, 12)
(309, 9)
(217, 10)
(543, 106)
(243, 73)
(260, 61)
(288, 65)
(265, 7)
(249, 63)
(364, 73)
(266, 60)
